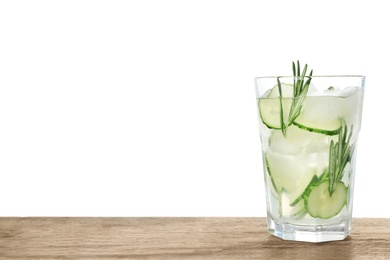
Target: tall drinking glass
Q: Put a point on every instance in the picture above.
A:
(309, 128)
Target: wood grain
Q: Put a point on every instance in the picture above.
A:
(178, 238)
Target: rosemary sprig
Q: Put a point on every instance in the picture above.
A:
(299, 93)
(340, 153)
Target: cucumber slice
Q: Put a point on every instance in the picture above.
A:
(330, 131)
(321, 115)
(320, 204)
(269, 109)
(269, 106)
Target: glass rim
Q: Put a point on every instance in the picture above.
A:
(315, 76)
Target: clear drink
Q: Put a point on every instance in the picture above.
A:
(309, 151)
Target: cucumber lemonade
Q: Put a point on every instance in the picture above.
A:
(309, 127)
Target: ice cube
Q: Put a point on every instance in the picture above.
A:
(349, 91)
(332, 91)
(312, 91)
(291, 144)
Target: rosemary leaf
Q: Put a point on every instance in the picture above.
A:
(294, 74)
(282, 125)
(298, 101)
(331, 167)
(340, 154)
(302, 79)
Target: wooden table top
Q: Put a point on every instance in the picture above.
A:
(178, 238)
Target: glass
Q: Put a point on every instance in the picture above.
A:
(309, 151)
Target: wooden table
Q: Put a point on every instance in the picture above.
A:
(178, 238)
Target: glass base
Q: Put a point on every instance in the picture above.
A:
(309, 233)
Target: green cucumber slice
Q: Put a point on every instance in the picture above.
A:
(269, 109)
(330, 131)
(320, 204)
(321, 114)
(269, 106)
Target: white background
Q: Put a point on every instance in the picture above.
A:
(147, 108)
